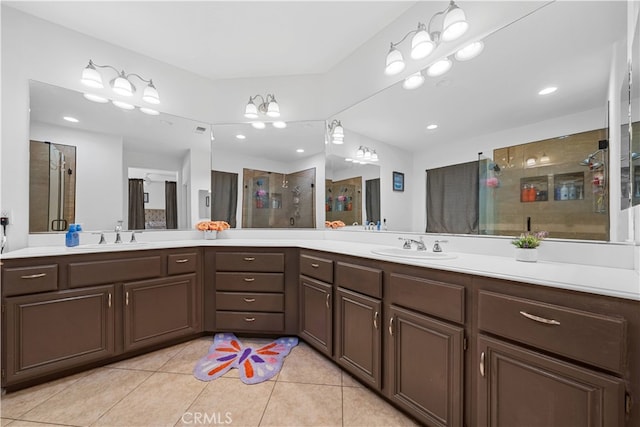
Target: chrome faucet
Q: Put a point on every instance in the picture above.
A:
(133, 236)
(118, 230)
(419, 243)
(437, 247)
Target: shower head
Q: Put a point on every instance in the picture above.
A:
(590, 161)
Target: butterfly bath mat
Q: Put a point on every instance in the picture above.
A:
(254, 364)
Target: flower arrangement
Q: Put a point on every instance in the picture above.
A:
(334, 224)
(342, 198)
(212, 225)
(261, 193)
(530, 240)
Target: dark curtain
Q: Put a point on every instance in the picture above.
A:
(452, 199)
(372, 199)
(136, 204)
(224, 196)
(171, 204)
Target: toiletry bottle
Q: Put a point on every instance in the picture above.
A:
(384, 224)
(564, 192)
(378, 225)
(69, 239)
(572, 192)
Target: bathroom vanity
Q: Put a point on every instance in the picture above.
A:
(449, 347)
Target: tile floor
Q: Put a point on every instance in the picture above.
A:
(158, 389)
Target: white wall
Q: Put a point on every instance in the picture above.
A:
(98, 159)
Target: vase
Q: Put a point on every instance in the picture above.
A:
(210, 234)
(527, 255)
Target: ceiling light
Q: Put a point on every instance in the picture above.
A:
(279, 125)
(374, 156)
(121, 84)
(470, 51)
(240, 136)
(548, 90)
(268, 106)
(258, 125)
(360, 152)
(149, 111)
(71, 119)
(426, 38)
(432, 127)
(336, 132)
(123, 105)
(367, 154)
(439, 68)
(95, 98)
(413, 81)
(300, 150)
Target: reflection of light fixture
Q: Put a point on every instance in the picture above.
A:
(432, 126)
(149, 111)
(413, 81)
(121, 84)
(426, 38)
(279, 125)
(531, 161)
(95, 98)
(336, 132)
(268, 106)
(240, 136)
(439, 67)
(300, 150)
(258, 125)
(366, 153)
(123, 105)
(548, 90)
(544, 158)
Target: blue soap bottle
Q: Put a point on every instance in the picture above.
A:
(71, 238)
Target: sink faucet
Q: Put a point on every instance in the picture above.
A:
(437, 247)
(419, 243)
(118, 230)
(133, 236)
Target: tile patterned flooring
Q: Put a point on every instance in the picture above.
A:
(158, 389)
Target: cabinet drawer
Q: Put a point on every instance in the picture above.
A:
(249, 321)
(29, 280)
(250, 282)
(243, 301)
(246, 261)
(428, 296)
(317, 268)
(588, 337)
(358, 278)
(113, 271)
(182, 263)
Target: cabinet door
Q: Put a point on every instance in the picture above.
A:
(159, 310)
(425, 367)
(50, 332)
(316, 314)
(358, 338)
(518, 387)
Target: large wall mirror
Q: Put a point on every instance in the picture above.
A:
(492, 102)
(113, 148)
(634, 102)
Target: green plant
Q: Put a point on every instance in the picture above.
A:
(529, 240)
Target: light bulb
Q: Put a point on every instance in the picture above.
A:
(150, 94)
(469, 51)
(122, 86)
(251, 111)
(421, 45)
(395, 62)
(455, 24)
(413, 81)
(439, 68)
(91, 77)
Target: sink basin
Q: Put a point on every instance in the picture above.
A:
(108, 246)
(412, 253)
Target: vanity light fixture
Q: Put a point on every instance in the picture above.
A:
(531, 161)
(366, 153)
(268, 106)
(336, 132)
(121, 84)
(426, 39)
(544, 158)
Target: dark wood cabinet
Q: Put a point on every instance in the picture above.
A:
(425, 367)
(520, 387)
(316, 314)
(50, 332)
(358, 347)
(159, 310)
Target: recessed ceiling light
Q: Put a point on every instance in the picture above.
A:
(432, 127)
(258, 125)
(149, 111)
(71, 119)
(123, 105)
(95, 98)
(300, 150)
(240, 136)
(348, 159)
(279, 125)
(548, 90)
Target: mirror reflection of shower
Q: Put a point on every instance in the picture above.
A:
(597, 164)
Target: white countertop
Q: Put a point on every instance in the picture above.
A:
(615, 282)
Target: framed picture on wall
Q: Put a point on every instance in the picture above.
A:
(146, 197)
(398, 181)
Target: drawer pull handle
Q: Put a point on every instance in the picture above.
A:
(314, 265)
(482, 363)
(375, 320)
(109, 299)
(249, 279)
(249, 319)
(126, 298)
(327, 302)
(34, 276)
(539, 319)
(249, 299)
(249, 258)
(391, 326)
(182, 261)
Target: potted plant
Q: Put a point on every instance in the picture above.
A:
(211, 228)
(527, 245)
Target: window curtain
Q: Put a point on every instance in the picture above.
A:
(452, 199)
(224, 196)
(372, 202)
(171, 204)
(136, 204)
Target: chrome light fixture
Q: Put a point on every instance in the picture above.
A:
(367, 153)
(336, 132)
(426, 39)
(121, 84)
(268, 106)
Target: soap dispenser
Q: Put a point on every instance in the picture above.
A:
(71, 238)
